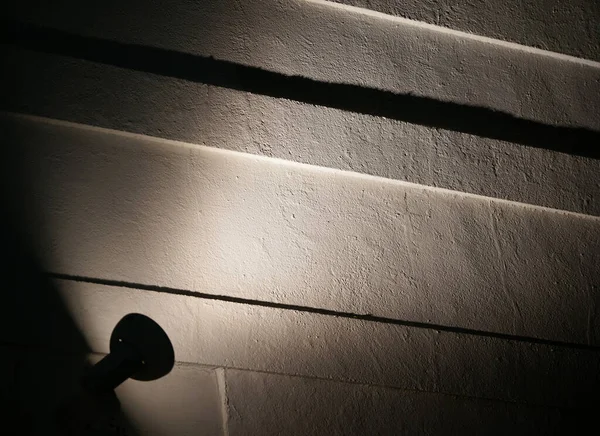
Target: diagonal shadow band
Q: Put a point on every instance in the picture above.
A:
(321, 311)
(479, 121)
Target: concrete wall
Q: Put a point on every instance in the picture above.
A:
(545, 24)
(347, 222)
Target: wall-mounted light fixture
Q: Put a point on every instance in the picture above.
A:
(139, 349)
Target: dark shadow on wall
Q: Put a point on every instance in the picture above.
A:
(424, 111)
(46, 337)
(43, 354)
(327, 312)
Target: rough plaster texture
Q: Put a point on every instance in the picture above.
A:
(279, 407)
(144, 210)
(111, 97)
(243, 336)
(569, 27)
(321, 41)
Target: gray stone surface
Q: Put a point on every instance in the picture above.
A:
(269, 404)
(111, 97)
(569, 27)
(242, 336)
(321, 41)
(145, 210)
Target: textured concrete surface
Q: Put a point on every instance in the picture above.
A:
(252, 239)
(321, 41)
(242, 336)
(144, 210)
(185, 402)
(569, 27)
(279, 406)
(111, 97)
